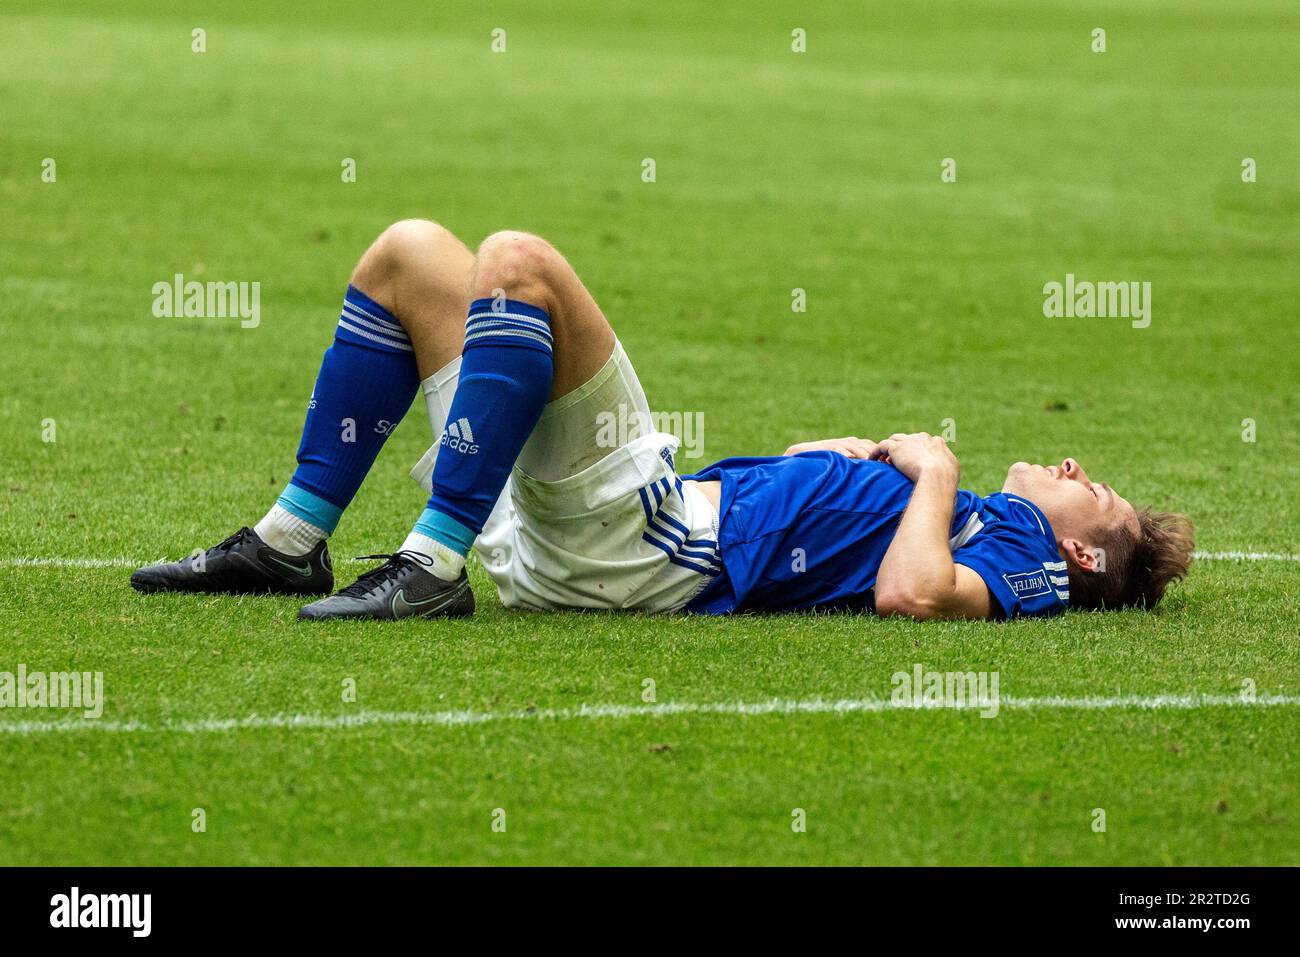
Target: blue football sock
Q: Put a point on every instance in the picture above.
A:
(365, 386)
(505, 381)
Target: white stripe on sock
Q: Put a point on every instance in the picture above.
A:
(286, 532)
(447, 564)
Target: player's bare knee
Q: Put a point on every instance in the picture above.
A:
(406, 244)
(517, 266)
(410, 241)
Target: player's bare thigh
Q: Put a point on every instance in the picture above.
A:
(527, 268)
(426, 277)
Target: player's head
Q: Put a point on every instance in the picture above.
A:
(1118, 556)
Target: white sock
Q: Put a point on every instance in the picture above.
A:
(287, 533)
(447, 564)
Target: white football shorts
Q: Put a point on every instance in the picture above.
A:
(594, 514)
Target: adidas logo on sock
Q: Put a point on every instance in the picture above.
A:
(459, 436)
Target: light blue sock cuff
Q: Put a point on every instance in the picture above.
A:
(310, 508)
(442, 528)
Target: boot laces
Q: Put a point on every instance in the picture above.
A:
(393, 566)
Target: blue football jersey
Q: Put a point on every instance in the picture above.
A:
(810, 531)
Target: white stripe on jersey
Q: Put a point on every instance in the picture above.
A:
(973, 526)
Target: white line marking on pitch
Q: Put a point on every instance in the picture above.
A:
(67, 562)
(94, 562)
(1230, 556)
(452, 719)
(1246, 557)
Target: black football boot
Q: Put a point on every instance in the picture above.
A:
(399, 588)
(242, 565)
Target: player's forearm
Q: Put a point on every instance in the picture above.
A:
(917, 576)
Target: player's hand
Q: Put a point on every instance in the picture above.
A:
(917, 453)
(852, 446)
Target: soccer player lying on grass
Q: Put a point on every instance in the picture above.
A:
(516, 395)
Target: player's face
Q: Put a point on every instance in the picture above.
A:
(1076, 506)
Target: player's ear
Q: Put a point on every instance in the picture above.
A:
(1079, 555)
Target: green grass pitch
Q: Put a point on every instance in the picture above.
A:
(775, 171)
